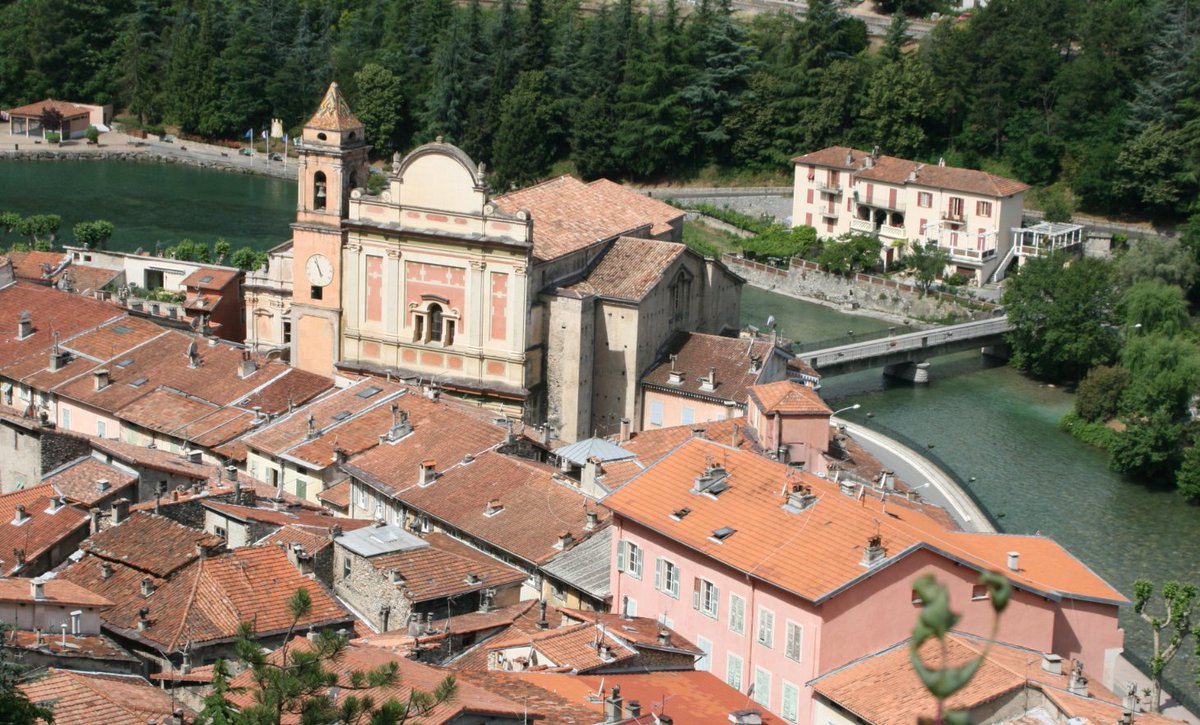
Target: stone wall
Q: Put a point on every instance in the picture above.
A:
(755, 201)
(150, 156)
(858, 292)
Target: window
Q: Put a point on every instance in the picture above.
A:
(220, 531)
(656, 412)
(301, 488)
(629, 559)
(435, 323)
(706, 597)
(449, 332)
(762, 686)
(733, 671)
(790, 707)
(153, 279)
(686, 415)
(924, 199)
(793, 641)
(66, 418)
(766, 627)
(737, 614)
(102, 429)
(666, 578)
(419, 327)
(983, 208)
(704, 661)
(346, 567)
(978, 592)
(955, 210)
(316, 292)
(287, 332)
(362, 496)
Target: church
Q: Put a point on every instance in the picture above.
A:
(547, 303)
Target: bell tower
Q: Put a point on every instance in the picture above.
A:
(333, 160)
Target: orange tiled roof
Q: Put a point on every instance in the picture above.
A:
(569, 215)
(52, 311)
(165, 410)
(883, 688)
(776, 546)
(555, 708)
(536, 506)
(440, 570)
(650, 445)
(68, 110)
(84, 277)
(55, 591)
(44, 527)
(786, 396)
(84, 352)
(150, 543)
(210, 278)
(629, 268)
(892, 170)
(78, 482)
(311, 538)
(300, 517)
(696, 354)
(28, 265)
(153, 458)
(207, 599)
(337, 495)
(639, 631)
(470, 703)
(572, 647)
(295, 387)
(334, 113)
(79, 697)
(95, 646)
(219, 427)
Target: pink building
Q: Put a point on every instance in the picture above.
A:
(792, 422)
(781, 576)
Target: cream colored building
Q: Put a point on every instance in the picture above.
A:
(968, 213)
(547, 303)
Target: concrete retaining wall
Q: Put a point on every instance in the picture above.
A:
(805, 280)
(150, 156)
(771, 201)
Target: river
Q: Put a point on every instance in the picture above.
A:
(988, 422)
(152, 202)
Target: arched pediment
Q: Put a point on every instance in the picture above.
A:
(441, 176)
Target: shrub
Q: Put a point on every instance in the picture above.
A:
(92, 134)
(53, 136)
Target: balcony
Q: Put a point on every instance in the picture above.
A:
(890, 232)
(968, 256)
(885, 204)
(954, 217)
(827, 188)
(863, 226)
(829, 213)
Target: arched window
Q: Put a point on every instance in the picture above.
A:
(319, 190)
(435, 323)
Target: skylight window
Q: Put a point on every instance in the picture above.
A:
(678, 515)
(122, 329)
(342, 415)
(125, 363)
(371, 391)
(206, 279)
(139, 382)
(723, 533)
(718, 488)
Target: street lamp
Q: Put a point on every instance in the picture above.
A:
(856, 406)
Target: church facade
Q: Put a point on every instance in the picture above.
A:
(547, 303)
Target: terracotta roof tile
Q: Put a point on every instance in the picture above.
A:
(110, 340)
(79, 481)
(696, 354)
(313, 539)
(210, 278)
(555, 708)
(569, 215)
(68, 110)
(153, 458)
(884, 689)
(217, 428)
(572, 647)
(165, 410)
(536, 506)
(892, 170)
(95, 646)
(78, 697)
(52, 311)
(294, 388)
(44, 527)
(650, 445)
(471, 702)
(84, 278)
(638, 631)
(150, 543)
(629, 269)
(777, 546)
(55, 591)
(33, 265)
(441, 569)
(300, 517)
(337, 495)
(786, 396)
(334, 113)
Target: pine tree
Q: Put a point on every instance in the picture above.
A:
(1174, 28)
(524, 147)
(723, 64)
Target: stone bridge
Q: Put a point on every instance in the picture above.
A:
(905, 356)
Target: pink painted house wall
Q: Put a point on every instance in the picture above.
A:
(703, 411)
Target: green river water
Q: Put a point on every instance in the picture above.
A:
(984, 420)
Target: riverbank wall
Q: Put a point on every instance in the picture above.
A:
(774, 202)
(860, 293)
(153, 151)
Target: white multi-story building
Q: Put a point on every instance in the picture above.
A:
(968, 213)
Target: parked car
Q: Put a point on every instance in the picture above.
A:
(275, 156)
(245, 152)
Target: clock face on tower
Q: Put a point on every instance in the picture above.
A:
(319, 270)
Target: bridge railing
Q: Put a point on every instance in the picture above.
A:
(922, 339)
(848, 339)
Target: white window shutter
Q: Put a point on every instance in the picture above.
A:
(621, 555)
(716, 601)
(658, 574)
(696, 593)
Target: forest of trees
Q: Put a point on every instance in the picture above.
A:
(1099, 97)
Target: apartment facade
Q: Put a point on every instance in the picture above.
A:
(968, 213)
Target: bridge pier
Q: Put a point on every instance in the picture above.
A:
(999, 351)
(914, 372)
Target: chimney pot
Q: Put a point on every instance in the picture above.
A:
(593, 520)
(120, 510)
(626, 430)
(102, 485)
(20, 517)
(147, 586)
(100, 379)
(37, 588)
(1014, 560)
(428, 472)
(106, 570)
(1052, 664)
(25, 324)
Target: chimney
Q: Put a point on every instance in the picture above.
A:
(605, 651)
(875, 551)
(1014, 560)
(312, 635)
(664, 637)
(887, 480)
(800, 497)
(564, 540)
(100, 379)
(147, 586)
(339, 456)
(19, 554)
(258, 414)
(247, 367)
(231, 472)
(626, 430)
(542, 623)
(493, 507)
(20, 516)
(665, 720)
(592, 520)
(186, 667)
(745, 717)
(193, 455)
(1052, 664)
(312, 428)
(106, 570)
(398, 577)
(335, 531)
(120, 510)
(675, 375)
(709, 383)
(102, 485)
(427, 473)
(472, 578)
(58, 358)
(37, 588)
(633, 708)
(613, 709)
(193, 355)
(592, 471)
(25, 325)
(143, 619)
(400, 425)
(1078, 682)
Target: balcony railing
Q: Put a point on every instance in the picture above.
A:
(976, 256)
(863, 226)
(890, 232)
(875, 203)
(954, 217)
(829, 213)
(827, 188)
